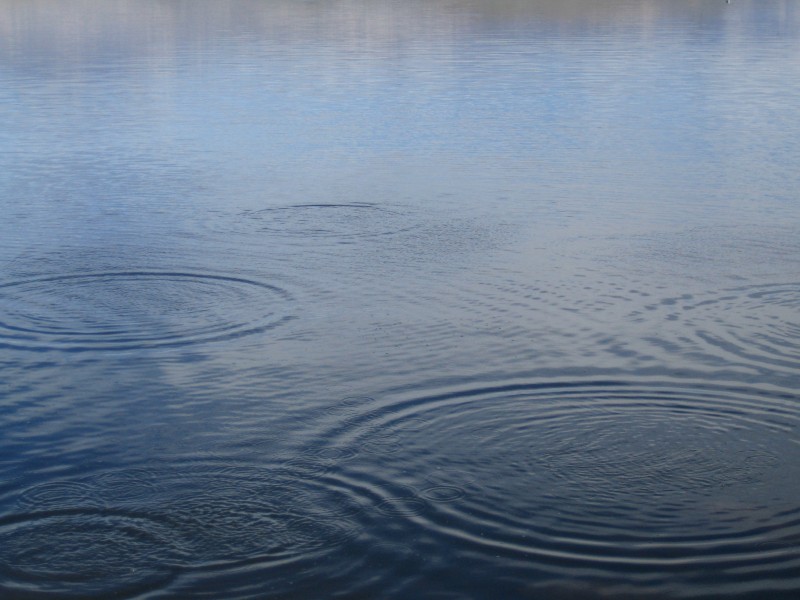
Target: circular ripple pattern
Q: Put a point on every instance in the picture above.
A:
(127, 310)
(757, 325)
(238, 516)
(352, 220)
(59, 495)
(442, 493)
(86, 553)
(660, 477)
(224, 515)
(130, 488)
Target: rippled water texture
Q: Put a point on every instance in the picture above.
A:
(136, 309)
(422, 299)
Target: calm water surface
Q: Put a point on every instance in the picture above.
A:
(381, 299)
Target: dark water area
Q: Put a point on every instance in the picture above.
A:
(452, 299)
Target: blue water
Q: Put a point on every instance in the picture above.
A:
(380, 299)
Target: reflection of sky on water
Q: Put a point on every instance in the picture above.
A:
(366, 241)
(120, 110)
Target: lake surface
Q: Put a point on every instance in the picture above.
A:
(437, 299)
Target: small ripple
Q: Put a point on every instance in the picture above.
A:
(720, 249)
(330, 497)
(243, 514)
(135, 309)
(128, 486)
(379, 442)
(325, 221)
(443, 493)
(227, 527)
(443, 477)
(59, 495)
(333, 453)
(392, 551)
(347, 412)
(305, 466)
(121, 488)
(404, 506)
(307, 534)
(353, 401)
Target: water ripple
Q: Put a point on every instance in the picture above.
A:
(59, 495)
(665, 476)
(340, 221)
(134, 309)
(85, 552)
(757, 326)
(442, 493)
(222, 514)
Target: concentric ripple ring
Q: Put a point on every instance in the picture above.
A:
(135, 309)
(659, 476)
(334, 220)
(87, 552)
(755, 326)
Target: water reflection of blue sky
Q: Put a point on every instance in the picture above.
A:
(356, 243)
